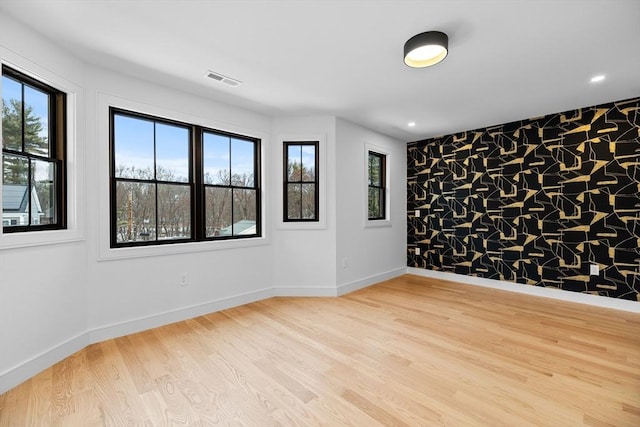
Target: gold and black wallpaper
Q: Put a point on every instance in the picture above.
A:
(536, 201)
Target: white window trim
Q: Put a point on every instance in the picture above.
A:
(321, 224)
(75, 187)
(105, 252)
(377, 223)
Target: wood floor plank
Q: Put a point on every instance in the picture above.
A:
(407, 351)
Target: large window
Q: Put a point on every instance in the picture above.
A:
(176, 182)
(33, 154)
(376, 183)
(301, 181)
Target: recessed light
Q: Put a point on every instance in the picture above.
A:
(596, 79)
(411, 124)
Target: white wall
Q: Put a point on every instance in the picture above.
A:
(130, 290)
(43, 287)
(58, 297)
(304, 255)
(366, 254)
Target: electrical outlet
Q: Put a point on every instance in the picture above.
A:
(594, 269)
(417, 213)
(183, 279)
(345, 262)
(417, 251)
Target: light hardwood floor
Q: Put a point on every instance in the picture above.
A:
(408, 351)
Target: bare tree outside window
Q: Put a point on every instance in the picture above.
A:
(155, 196)
(301, 181)
(376, 185)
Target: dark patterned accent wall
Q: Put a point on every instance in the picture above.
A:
(536, 201)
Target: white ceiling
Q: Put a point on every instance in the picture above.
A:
(508, 60)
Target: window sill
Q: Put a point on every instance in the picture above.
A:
(302, 225)
(379, 223)
(108, 254)
(39, 238)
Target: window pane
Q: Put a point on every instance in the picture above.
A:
(11, 114)
(172, 153)
(15, 191)
(375, 198)
(174, 211)
(308, 163)
(36, 118)
(294, 201)
(134, 150)
(375, 165)
(218, 211)
(308, 201)
(15, 169)
(135, 212)
(242, 163)
(244, 212)
(294, 164)
(217, 166)
(43, 194)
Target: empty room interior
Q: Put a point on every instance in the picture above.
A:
(320, 213)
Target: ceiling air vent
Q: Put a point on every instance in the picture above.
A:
(223, 79)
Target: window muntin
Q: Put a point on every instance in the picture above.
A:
(230, 185)
(33, 154)
(376, 186)
(151, 179)
(176, 182)
(301, 196)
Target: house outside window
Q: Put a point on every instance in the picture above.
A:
(33, 154)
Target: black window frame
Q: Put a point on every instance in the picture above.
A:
(57, 138)
(195, 182)
(379, 186)
(287, 182)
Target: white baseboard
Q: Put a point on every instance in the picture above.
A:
(22, 372)
(540, 291)
(304, 291)
(370, 280)
(25, 370)
(148, 322)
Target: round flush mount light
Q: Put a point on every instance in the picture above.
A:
(596, 79)
(426, 49)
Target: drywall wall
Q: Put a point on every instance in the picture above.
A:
(131, 284)
(304, 253)
(43, 281)
(368, 251)
(536, 202)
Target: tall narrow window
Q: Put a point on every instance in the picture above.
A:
(33, 154)
(175, 182)
(301, 181)
(376, 183)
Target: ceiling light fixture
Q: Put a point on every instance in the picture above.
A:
(596, 79)
(426, 49)
(411, 124)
